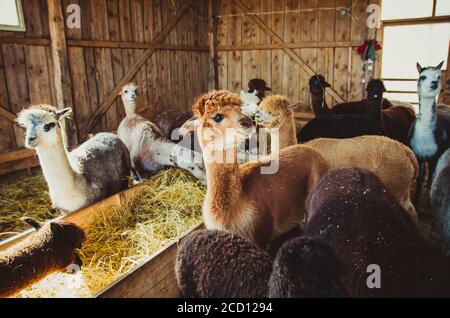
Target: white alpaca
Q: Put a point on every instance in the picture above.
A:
(95, 170)
(250, 106)
(150, 150)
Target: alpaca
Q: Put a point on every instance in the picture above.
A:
(150, 150)
(250, 103)
(169, 121)
(306, 268)
(396, 121)
(318, 86)
(428, 137)
(371, 230)
(214, 264)
(440, 194)
(275, 112)
(95, 170)
(241, 199)
(398, 171)
(52, 248)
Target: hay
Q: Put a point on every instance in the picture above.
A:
(117, 241)
(25, 196)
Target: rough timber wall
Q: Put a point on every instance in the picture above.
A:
(316, 31)
(112, 37)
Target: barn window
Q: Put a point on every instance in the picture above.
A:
(414, 31)
(11, 15)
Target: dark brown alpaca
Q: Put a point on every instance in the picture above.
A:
(169, 120)
(52, 248)
(370, 228)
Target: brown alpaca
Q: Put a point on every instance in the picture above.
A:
(275, 112)
(52, 248)
(240, 199)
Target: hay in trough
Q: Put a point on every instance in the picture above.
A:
(25, 196)
(167, 206)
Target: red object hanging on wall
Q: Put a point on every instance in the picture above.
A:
(368, 48)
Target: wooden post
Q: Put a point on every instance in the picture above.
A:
(444, 97)
(213, 69)
(61, 74)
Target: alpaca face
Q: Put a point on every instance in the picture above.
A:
(429, 83)
(251, 101)
(273, 112)
(42, 129)
(129, 93)
(317, 84)
(224, 127)
(375, 89)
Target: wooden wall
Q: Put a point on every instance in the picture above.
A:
(172, 78)
(316, 31)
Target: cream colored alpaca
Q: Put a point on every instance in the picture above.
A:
(275, 112)
(241, 199)
(150, 150)
(95, 170)
(392, 162)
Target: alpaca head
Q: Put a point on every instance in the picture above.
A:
(42, 125)
(129, 93)
(375, 89)
(429, 83)
(311, 268)
(273, 112)
(67, 236)
(220, 121)
(318, 84)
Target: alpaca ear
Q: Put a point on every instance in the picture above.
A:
(189, 126)
(64, 113)
(55, 227)
(439, 67)
(326, 84)
(419, 68)
(33, 223)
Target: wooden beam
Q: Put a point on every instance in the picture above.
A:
(414, 21)
(18, 165)
(106, 104)
(213, 70)
(276, 38)
(26, 41)
(134, 45)
(7, 114)
(16, 154)
(61, 73)
(275, 46)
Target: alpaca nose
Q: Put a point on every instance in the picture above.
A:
(434, 84)
(245, 123)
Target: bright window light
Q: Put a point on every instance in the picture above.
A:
(405, 9)
(442, 7)
(11, 16)
(404, 46)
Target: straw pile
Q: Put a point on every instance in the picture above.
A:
(167, 206)
(25, 196)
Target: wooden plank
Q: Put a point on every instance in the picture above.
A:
(275, 37)
(16, 154)
(61, 75)
(291, 79)
(213, 71)
(222, 39)
(251, 34)
(26, 41)
(444, 97)
(274, 46)
(7, 114)
(131, 72)
(154, 279)
(14, 166)
(7, 118)
(17, 83)
(235, 62)
(277, 54)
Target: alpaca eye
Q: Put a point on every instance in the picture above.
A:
(422, 78)
(218, 118)
(126, 92)
(49, 127)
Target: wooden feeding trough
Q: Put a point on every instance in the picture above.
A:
(154, 278)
